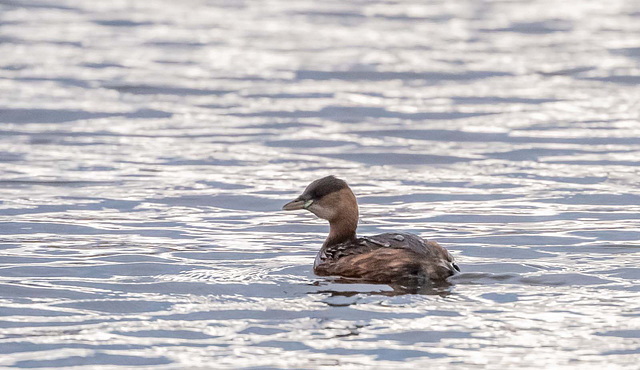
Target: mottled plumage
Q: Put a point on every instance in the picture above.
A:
(384, 258)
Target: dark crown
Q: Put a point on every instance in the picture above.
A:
(323, 186)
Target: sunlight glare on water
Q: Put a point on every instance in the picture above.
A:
(147, 147)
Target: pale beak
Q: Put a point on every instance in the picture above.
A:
(297, 204)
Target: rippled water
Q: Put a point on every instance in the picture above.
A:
(146, 148)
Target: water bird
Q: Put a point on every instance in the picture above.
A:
(385, 258)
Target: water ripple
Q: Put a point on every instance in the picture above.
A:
(146, 149)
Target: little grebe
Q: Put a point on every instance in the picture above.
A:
(384, 258)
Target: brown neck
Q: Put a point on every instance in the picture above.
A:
(343, 228)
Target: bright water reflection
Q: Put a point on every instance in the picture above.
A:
(147, 147)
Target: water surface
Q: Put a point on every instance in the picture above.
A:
(146, 149)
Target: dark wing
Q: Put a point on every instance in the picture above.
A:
(425, 248)
(390, 254)
(383, 265)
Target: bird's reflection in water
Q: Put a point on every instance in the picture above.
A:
(339, 294)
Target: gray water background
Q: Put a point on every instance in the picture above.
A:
(146, 148)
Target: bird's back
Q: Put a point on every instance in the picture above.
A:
(386, 258)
